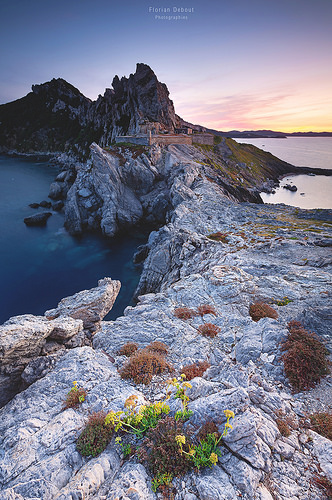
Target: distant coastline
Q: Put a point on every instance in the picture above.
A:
(266, 134)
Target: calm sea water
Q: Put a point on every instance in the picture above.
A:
(41, 265)
(315, 152)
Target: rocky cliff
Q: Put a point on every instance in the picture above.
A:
(55, 116)
(213, 251)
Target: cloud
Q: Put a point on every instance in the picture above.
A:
(252, 111)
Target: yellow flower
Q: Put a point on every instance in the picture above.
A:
(229, 413)
(228, 426)
(183, 376)
(142, 409)
(118, 440)
(186, 384)
(213, 458)
(191, 452)
(180, 439)
(75, 383)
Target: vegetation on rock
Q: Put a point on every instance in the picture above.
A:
(95, 436)
(195, 370)
(144, 364)
(184, 313)
(75, 397)
(209, 330)
(128, 349)
(321, 422)
(260, 310)
(305, 357)
(206, 309)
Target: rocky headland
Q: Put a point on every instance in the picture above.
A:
(212, 246)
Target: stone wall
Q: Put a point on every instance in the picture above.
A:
(171, 139)
(166, 139)
(203, 139)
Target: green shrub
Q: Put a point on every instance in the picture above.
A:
(75, 397)
(95, 436)
(161, 451)
(305, 357)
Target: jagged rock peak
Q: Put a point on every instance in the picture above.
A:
(56, 116)
(58, 86)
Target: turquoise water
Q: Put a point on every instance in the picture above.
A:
(41, 265)
(316, 152)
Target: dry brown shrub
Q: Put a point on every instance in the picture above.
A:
(209, 427)
(206, 309)
(143, 365)
(195, 370)
(209, 330)
(128, 349)
(305, 357)
(158, 347)
(260, 310)
(321, 422)
(184, 313)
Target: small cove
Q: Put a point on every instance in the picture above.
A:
(315, 152)
(41, 265)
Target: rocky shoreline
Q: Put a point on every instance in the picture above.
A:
(211, 249)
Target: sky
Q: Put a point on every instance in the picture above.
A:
(228, 64)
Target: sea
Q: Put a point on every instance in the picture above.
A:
(41, 265)
(316, 152)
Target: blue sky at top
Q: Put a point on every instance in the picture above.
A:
(232, 64)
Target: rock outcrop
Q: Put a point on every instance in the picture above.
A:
(57, 117)
(212, 250)
(30, 345)
(123, 185)
(90, 306)
(39, 219)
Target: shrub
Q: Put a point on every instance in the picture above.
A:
(284, 301)
(321, 422)
(128, 349)
(158, 347)
(209, 427)
(324, 483)
(285, 423)
(161, 451)
(95, 436)
(305, 357)
(142, 365)
(218, 236)
(206, 309)
(260, 310)
(184, 313)
(283, 427)
(195, 370)
(209, 330)
(75, 397)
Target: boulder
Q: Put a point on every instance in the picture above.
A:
(91, 306)
(39, 219)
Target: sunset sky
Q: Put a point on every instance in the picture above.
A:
(231, 64)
